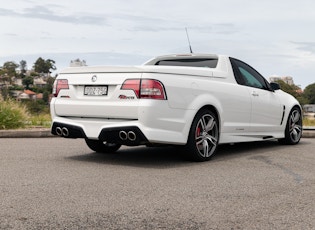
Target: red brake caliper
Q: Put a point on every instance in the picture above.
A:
(198, 131)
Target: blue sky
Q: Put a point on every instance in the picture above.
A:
(276, 37)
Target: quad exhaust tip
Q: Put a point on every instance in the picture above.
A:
(123, 135)
(65, 132)
(62, 132)
(59, 131)
(131, 136)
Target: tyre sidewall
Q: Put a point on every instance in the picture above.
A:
(287, 139)
(191, 148)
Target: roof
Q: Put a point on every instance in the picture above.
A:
(221, 70)
(29, 92)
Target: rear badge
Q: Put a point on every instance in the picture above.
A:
(94, 78)
(124, 97)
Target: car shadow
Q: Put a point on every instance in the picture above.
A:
(170, 156)
(140, 156)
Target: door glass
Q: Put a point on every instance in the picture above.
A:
(249, 76)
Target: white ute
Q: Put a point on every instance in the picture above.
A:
(194, 100)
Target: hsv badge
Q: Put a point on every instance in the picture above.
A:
(94, 78)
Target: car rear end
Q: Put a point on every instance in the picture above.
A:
(113, 104)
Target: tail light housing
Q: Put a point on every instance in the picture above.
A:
(145, 88)
(60, 84)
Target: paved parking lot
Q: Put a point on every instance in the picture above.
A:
(54, 183)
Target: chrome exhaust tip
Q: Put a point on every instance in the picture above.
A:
(65, 132)
(123, 135)
(132, 136)
(59, 131)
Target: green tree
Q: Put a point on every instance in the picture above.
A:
(4, 93)
(46, 96)
(27, 81)
(10, 68)
(8, 71)
(309, 93)
(23, 68)
(290, 89)
(302, 99)
(294, 90)
(50, 83)
(3, 75)
(44, 66)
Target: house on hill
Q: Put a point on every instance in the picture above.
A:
(39, 82)
(27, 95)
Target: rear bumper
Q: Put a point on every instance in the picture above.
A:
(156, 123)
(110, 130)
(128, 135)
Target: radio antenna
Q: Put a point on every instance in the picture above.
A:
(188, 41)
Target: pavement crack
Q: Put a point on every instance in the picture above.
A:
(298, 178)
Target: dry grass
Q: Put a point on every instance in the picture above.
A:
(42, 120)
(308, 122)
(13, 115)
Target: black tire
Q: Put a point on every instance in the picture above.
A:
(102, 147)
(203, 136)
(293, 129)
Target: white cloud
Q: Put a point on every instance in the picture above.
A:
(273, 36)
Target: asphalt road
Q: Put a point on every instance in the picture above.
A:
(54, 183)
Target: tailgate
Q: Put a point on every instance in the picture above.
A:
(97, 95)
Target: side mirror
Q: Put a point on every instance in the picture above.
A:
(274, 86)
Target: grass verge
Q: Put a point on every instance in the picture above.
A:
(41, 120)
(16, 115)
(308, 122)
(12, 115)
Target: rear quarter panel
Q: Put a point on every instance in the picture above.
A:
(190, 93)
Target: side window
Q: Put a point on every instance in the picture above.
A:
(246, 75)
(249, 79)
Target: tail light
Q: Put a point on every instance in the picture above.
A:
(132, 84)
(145, 88)
(152, 89)
(60, 84)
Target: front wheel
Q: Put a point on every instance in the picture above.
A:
(203, 136)
(293, 130)
(102, 147)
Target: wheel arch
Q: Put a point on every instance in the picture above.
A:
(293, 128)
(213, 109)
(288, 111)
(299, 108)
(203, 141)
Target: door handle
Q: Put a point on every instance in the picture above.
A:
(255, 94)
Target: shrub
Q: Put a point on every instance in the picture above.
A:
(42, 120)
(12, 114)
(36, 107)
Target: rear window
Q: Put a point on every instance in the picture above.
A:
(208, 63)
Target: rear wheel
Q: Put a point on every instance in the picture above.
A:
(203, 136)
(102, 147)
(293, 130)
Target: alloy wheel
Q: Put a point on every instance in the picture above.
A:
(206, 135)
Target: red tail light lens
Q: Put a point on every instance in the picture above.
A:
(60, 84)
(152, 89)
(132, 84)
(145, 88)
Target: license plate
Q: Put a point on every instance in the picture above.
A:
(95, 90)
